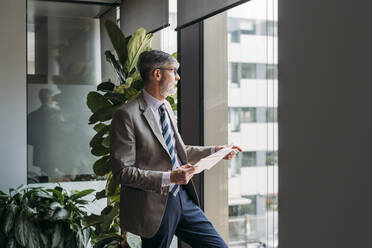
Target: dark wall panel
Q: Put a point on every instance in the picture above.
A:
(325, 125)
(151, 15)
(196, 10)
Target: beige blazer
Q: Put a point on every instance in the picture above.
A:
(138, 157)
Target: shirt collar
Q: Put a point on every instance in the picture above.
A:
(152, 101)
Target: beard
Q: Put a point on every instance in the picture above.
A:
(168, 89)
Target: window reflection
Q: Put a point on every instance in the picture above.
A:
(64, 64)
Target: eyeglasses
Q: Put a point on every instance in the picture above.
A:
(170, 69)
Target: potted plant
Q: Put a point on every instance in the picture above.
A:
(39, 217)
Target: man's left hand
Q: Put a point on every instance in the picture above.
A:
(232, 154)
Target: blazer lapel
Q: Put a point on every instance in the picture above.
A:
(149, 116)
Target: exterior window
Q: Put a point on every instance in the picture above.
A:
(248, 27)
(235, 36)
(248, 71)
(271, 158)
(247, 115)
(235, 73)
(272, 115)
(249, 159)
(271, 71)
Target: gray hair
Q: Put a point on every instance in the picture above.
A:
(150, 60)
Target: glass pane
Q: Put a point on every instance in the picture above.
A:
(253, 218)
(64, 64)
(250, 122)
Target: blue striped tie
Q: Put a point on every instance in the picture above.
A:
(174, 188)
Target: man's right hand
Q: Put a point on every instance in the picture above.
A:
(183, 174)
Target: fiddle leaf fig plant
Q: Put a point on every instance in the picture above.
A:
(43, 218)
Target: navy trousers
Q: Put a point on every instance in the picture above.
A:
(185, 219)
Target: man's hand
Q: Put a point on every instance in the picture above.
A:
(232, 154)
(183, 174)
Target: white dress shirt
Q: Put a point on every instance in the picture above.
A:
(154, 105)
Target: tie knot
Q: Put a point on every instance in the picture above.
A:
(162, 108)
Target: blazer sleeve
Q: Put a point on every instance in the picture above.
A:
(123, 156)
(195, 153)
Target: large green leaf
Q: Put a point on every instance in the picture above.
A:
(57, 195)
(80, 239)
(117, 67)
(115, 97)
(42, 194)
(44, 240)
(82, 194)
(138, 43)
(111, 185)
(93, 219)
(106, 86)
(97, 138)
(30, 212)
(131, 93)
(134, 241)
(107, 210)
(22, 229)
(34, 239)
(110, 212)
(12, 243)
(138, 84)
(103, 114)
(101, 194)
(96, 101)
(99, 126)
(61, 214)
(102, 166)
(57, 238)
(106, 141)
(107, 239)
(118, 40)
(55, 205)
(100, 150)
(9, 218)
(115, 199)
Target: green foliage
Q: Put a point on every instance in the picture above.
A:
(103, 103)
(38, 217)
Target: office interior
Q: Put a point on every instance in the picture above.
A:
(289, 81)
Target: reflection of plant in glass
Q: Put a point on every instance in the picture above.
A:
(103, 103)
(38, 217)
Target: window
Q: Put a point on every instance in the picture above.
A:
(248, 71)
(64, 64)
(271, 71)
(235, 36)
(261, 71)
(235, 75)
(272, 115)
(252, 122)
(249, 159)
(271, 158)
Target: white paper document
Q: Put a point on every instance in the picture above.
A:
(210, 161)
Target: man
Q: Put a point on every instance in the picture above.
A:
(44, 128)
(154, 166)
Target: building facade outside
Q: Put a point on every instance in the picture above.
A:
(253, 124)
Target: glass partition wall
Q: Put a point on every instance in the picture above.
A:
(240, 107)
(64, 64)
